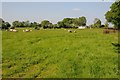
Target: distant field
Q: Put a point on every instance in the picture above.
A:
(58, 54)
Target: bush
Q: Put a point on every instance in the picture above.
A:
(37, 28)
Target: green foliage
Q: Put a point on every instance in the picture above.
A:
(46, 24)
(60, 24)
(25, 24)
(97, 23)
(106, 24)
(35, 24)
(16, 24)
(82, 21)
(113, 15)
(58, 54)
(3, 24)
(72, 22)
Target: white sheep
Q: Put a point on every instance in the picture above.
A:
(27, 30)
(11, 30)
(75, 31)
(70, 31)
(15, 30)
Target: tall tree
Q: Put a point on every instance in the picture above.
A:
(46, 24)
(16, 23)
(97, 23)
(60, 24)
(113, 15)
(106, 24)
(82, 21)
(3, 24)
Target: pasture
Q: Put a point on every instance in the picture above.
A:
(56, 53)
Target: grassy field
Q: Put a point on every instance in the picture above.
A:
(58, 54)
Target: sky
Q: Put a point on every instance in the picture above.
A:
(53, 11)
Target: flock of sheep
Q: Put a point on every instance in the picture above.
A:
(14, 30)
(70, 31)
(28, 30)
(105, 31)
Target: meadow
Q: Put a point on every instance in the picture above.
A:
(56, 53)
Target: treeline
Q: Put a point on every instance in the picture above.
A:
(65, 23)
(112, 16)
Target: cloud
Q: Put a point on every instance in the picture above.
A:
(76, 9)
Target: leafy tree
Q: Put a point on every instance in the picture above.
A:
(67, 22)
(75, 22)
(27, 23)
(3, 24)
(34, 24)
(16, 23)
(82, 21)
(60, 24)
(7, 25)
(46, 24)
(97, 23)
(106, 24)
(113, 15)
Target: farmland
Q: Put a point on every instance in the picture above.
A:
(55, 53)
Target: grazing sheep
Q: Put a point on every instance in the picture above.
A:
(27, 30)
(23, 30)
(75, 31)
(15, 30)
(69, 31)
(11, 30)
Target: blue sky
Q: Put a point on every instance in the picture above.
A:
(53, 11)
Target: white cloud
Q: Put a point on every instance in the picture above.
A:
(76, 9)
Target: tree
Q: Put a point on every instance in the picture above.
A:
(113, 15)
(82, 21)
(55, 26)
(27, 23)
(16, 23)
(60, 24)
(106, 24)
(67, 22)
(46, 24)
(7, 25)
(75, 22)
(3, 24)
(97, 23)
(34, 24)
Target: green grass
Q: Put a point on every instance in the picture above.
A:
(58, 54)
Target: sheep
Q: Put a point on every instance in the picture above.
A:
(27, 30)
(69, 31)
(15, 30)
(11, 30)
(75, 31)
